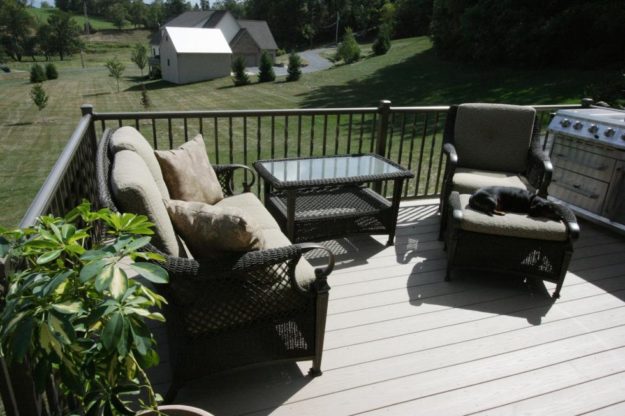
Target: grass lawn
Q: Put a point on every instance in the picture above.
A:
(41, 15)
(410, 74)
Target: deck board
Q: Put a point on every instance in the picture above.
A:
(400, 340)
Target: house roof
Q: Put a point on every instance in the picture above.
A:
(198, 40)
(260, 32)
(190, 19)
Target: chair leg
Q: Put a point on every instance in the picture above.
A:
(565, 266)
(320, 330)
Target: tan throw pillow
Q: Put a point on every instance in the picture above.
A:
(188, 173)
(209, 231)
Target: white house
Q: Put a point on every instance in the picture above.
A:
(247, 38)
(193, 54)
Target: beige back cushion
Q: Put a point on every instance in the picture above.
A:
(494, 136)
(135, 191)
(128, 138)
(209, 231)
(188, 173)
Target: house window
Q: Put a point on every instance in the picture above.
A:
(167, 61)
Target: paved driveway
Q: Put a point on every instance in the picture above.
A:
(313, 56)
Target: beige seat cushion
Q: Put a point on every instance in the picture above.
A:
(304, 271)
(253, 208)
(135, 191)
(511, 224)
(468, 181)
(188, 173)
(209, 231)
(128, 138)
(494, 136)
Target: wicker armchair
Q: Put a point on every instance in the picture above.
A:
(239, 309)
(492, 145)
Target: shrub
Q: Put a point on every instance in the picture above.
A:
(51, 72)
(265, 73)
(294, 71)
(280, 52)
(37, 74)
(382, 42)
(240, 77)
(348, 50)
(39, 96)
(116, 69)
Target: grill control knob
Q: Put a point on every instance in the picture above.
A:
(609, 132)
(593, 128)
(623, 137)
(565, 122)
(578, 125)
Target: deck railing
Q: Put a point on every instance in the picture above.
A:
(410, 136)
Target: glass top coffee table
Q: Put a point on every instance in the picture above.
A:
(326, 197)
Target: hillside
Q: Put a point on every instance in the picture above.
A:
(410, 74)
(97, 23)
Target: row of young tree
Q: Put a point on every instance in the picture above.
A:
(21, 35)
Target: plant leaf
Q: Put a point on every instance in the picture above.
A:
(112, 331)
(119, 282)
(93, 268)
(61, 328)
(56, 281)
(103, 279)
(21, 338)
(152, 272)
(49, 256)
(68, 307)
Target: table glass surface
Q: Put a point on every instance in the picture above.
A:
(328, 168)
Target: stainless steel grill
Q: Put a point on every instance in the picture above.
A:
(588, 154)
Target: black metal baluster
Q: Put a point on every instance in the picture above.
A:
(420, 165)
(410, 152)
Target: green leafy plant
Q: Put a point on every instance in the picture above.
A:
(51, 72)
(348, 50)
(294, 70)
(382, 42)
(116, 69)
(265, 69)
(39, 96)
(238, 68)
(139, 56)
(71, 309)
(37, 74)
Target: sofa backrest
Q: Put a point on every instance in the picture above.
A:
(494, 136)
(130, 180)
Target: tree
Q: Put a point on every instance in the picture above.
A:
(238, 67)
(62, 34)
(51, 72)
(154, 15)
(383, 41)
(348, 50)
(137, 13)
(37, 74)
(205, 5)
(116, 69)
(15, 27)
(413, 17)
(174, 8)
(265, 69)
(145, 99)
(139, 56)
(39, 96)
(236, 8)
(117, 14)
(293, 70)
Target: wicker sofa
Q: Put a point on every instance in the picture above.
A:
(233, 310)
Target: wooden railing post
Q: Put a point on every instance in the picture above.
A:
(384, 111)
(587, 102)
(87, 109)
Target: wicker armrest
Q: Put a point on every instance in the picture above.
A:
(569, 219)
(456, 206)
(539, 169)
(225, 174)
(452, 156)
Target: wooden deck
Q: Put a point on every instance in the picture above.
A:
(402, 341)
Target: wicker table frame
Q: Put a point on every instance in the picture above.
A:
(309, 210)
